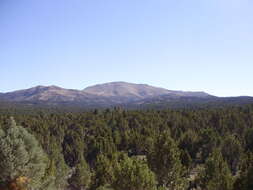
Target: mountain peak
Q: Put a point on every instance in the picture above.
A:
(46, 87)
(132, 90)
(125, 89)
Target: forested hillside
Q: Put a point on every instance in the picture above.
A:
(116, 149)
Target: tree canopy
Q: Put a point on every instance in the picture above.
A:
(129, 149)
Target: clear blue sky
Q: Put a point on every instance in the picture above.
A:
(177, 44)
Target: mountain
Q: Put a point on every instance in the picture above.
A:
(54, 95)
(45, 93)
(123, 89)
(116, 94)
(132, 91)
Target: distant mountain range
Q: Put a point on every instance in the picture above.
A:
(116, 94)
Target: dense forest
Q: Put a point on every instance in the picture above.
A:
(117, 149)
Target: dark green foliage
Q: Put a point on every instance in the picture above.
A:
(216, 175)
(104, 168)
(189, 143)
(232, 152)
(249, 139)
(84, 149)
(81, 177)
(245, 180)
(118, 171)
(209, 140)
(58, 164)
(186, 159)
(165, 161)
(131, 173)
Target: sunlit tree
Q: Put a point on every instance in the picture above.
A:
(22, 160)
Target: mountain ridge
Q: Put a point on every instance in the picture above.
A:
(113, 94)
(109, 90)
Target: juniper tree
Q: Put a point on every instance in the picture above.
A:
(131, 173)
(22, 160)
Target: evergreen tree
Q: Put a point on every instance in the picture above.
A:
(209, 140)
(232, 152)
(81, 178)
(104, 168)
(165, 161)
(189, 143)
(62, 171)
(245, 180)
(216, 175)
(134, 174)
(48, 180)
(249, 139)
(22, 160)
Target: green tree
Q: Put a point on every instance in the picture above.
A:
(189, 143)
(104, 168)
(216, 175)
(81, 178)
(209, 140)
(232, 152)
(132, 173)
(22, 161)
(249, 139)
(165, 161)
(245, 180)
(62, 171)
(48, 180)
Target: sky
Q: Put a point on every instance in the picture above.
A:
(196, 45)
